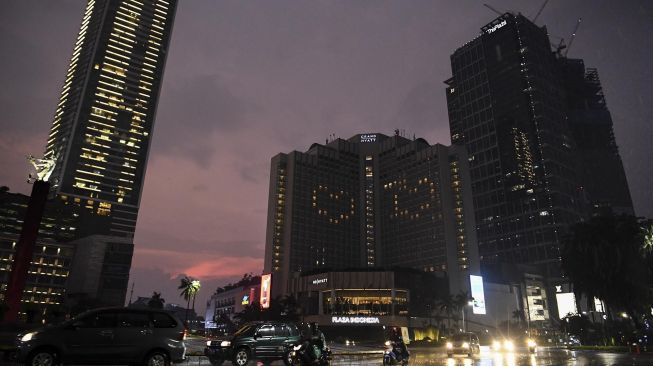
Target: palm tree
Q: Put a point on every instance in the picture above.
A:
(189, 288)
(606, 258)
(156, 301)
(446, 305)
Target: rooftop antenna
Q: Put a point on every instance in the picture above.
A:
(131, 293)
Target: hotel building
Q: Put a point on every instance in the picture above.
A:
(371, 202)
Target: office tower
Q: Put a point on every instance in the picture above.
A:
(49, 267)
(103, 123)
(601, 172)
(507, 106)
(371, 201)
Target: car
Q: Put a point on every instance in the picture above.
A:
(107, 335)
(465, 343)
(269, 340)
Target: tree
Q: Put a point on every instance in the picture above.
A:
(447, 306)
(607, 258)
(156, 301)
(189, 288)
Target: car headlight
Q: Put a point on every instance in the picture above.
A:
(465, 345)
(225, 344)
(509, 346)
(449, 345)
(27, 337)
(531, 343)
(208, 343)
(297, 347)
(387, 343)
(496, 345)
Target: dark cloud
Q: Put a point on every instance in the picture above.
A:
(192, 110)
(247, 80)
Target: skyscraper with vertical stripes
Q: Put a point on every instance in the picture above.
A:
(102, 128)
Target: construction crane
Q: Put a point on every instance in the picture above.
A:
(573, 35)
(539, 11)
(493, 9)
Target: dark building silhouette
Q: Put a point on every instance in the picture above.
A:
(371, 201)
(540, 140)
(601, 171)
(101, 133)
(507, 105)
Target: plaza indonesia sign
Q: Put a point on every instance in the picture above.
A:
(355, 320)
(495, 27)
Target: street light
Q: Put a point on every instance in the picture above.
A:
(469, 303)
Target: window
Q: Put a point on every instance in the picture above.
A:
(162, 320)
(266, 331)
(133, 320)
(98, 320)
(281, 331)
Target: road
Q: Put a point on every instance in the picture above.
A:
(438, 357)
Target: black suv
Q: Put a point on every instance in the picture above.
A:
(108, 335)
(260, 340)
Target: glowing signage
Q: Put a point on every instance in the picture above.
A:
(245, 300)
(598, 305)
(266, 282)
(319, 281)
(368, 138)
(478, 294)
(355, 320)
(566, 304)
(496, 26)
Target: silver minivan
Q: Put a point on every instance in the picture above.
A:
(107, 336)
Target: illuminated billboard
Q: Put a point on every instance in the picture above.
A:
(476, 283)
(566, 304)
(266, 282)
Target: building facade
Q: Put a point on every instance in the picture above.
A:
(222, 307)
(371, 201)
(102, 127)
(507, 106)
(45, 289)
(601, 172)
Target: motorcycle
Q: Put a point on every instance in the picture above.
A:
(395, 353)
(298, 355)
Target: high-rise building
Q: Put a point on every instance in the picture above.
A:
(371, 201)
(601, 172)
(507, 106)
(103, 123)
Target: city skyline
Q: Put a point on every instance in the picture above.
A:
(252, 80)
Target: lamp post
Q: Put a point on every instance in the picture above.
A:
(469, 303)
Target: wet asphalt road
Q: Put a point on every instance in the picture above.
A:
(438, 357)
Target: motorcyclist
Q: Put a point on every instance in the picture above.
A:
(312, 344)
(398, 343)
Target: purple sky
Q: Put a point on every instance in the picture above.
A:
(246, 80)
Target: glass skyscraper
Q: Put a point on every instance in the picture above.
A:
(533, 123)
(103, 123)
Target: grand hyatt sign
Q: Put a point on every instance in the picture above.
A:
(355, 320)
